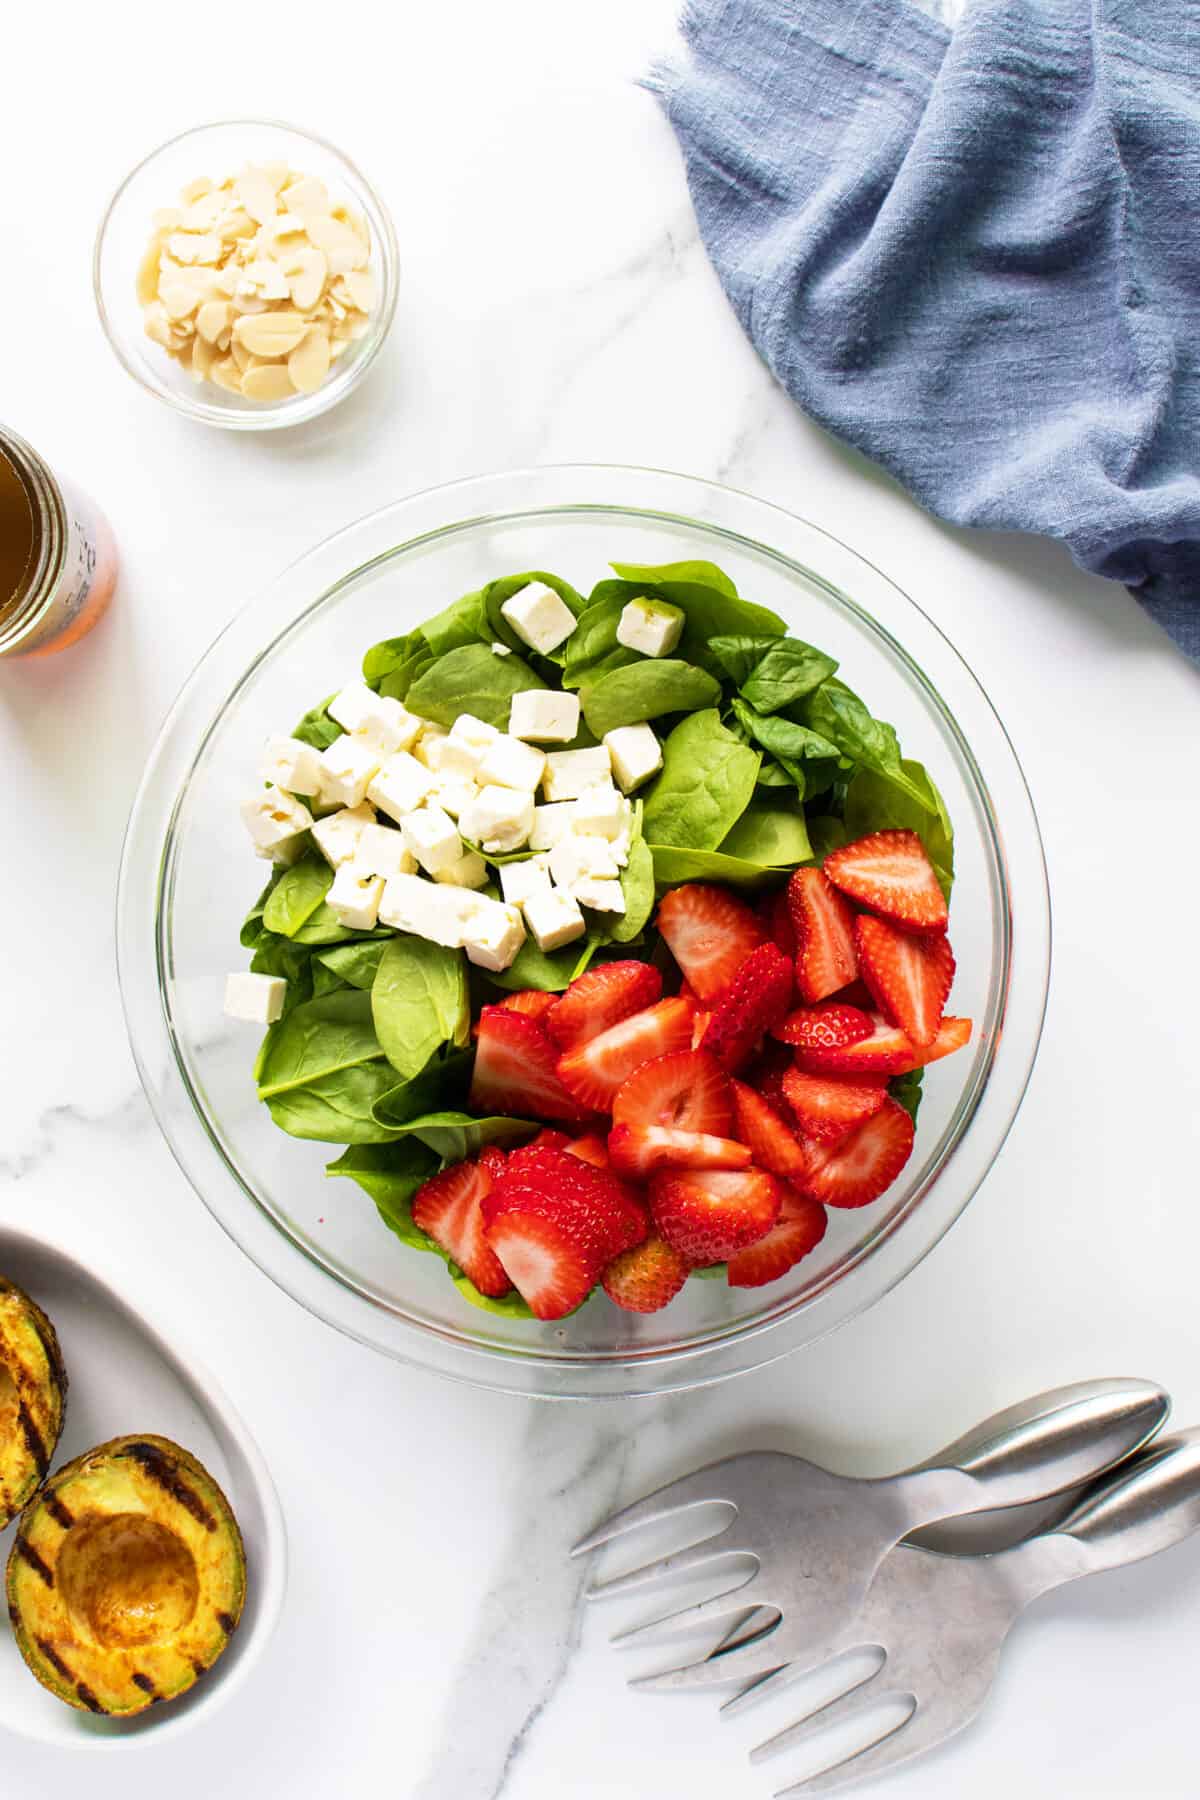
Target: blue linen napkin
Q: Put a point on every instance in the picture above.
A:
(975, 255)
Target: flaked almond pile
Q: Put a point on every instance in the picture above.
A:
(260, 284)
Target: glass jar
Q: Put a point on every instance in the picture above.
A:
(58, 559)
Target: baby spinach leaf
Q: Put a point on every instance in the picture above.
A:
(441, 1086)
(592, 649)
(841, 716)
(252, 926)
(907, 1090)
(324, 927)
(637, 886)
(826, 833)
(322, 1069)
(705, 785)
(875, 803)
(702, 574)
(396, 684)
(645, 691)
(324, 981)
(471, 679)
(455, 1135)
(772, 672)
(552, 970)
(317, 728)
(771, 834)
(297, 895)
(391, 1175)
(337, 1108)
(811, 760)
(497, 592)
(778, 775)
(710, 604)
(509, 1306)
(355, 964)
(672, 865)
(384, 658)
(418, 1002)
(278, 956)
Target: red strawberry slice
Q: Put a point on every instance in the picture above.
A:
(448, 1209)
(590, 1149)
(533, 1002)
(637, 1150)
(593, 1072)
(646, 1279)
(890, 872)
(888, 1051)
(709, 933)
(601, 997)
(824, 925)
(777, 917)
(757, 998)
(826, 1107)
(548, 1258)
(824, 1027)
(515, 1070)
(801, 1227)
(773, 1144)
(765, 1075)
(687, 1090)
(607, 1214)
(861, 1165)
(549, 1139)
(708, 1214)
(910, 976)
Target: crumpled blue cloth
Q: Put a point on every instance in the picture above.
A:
(975, 255)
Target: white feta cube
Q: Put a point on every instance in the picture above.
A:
(475, 733)
(470, 871)
(338, 836)
(258, 999)
(500, 650)
(650, 626)
(352, 705)
(401, 785)
(518, 880)
(575, 856)
(426, 747)
(551, 823)
(494, 935)
(272, 817)
(602, 812)
(601, 894)
(570, 773)
(620, 848)
(507, 762)
(288, 851)
(544, 716)
(553, 918)
(348, 768)
(540, 618)
(498, 820)
(432, 836)
(636, 755)
(453, 793)
(354, 897)
(292, 765)
(451, 758)
(428, 909)
(388, 726)
(382, 851)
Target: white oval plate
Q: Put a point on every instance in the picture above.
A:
(126, 1376)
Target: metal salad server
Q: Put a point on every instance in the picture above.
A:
(816, 1539)
(942, 1621)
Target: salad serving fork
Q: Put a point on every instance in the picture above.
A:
(942, 1621)
(816, 1538)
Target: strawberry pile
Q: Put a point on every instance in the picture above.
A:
(717, 1124)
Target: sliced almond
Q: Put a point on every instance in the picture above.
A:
(257, 195)
(269, 381)
(249, 303)
(268, 278)
(167, 218)
(360, 285)
(277, 173)
(339, 347)
(235, 224)
(308, 364)
(330, 234)
(241, 356)
(195, 190)
(178, 296)
(309, 197)
(156, 324)
(226, 374)
(204, 355)
(203, 214)
(194, 247)
(306, 279)
(213, 318)
(271, 333)
(148, 270)
(355, 220)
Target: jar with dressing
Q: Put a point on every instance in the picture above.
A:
(58, 560)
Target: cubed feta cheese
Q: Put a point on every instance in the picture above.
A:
(453, 760)
(650, 626)
(387, 726)
(453, 793)
(570, 773)
(551, 823)
(507, 762)
(553, 918)
(428, 909)
(470, 871)
(574, 856)
(426, 747)
(540, 618)
(354, 897)
(501, 650)
(544, 716)
(400, 785)
(285, 853)
(602, 812)
(601, 894)
(518, 880)
(338, 836)
(636, 755)
(494, 935)
(477, 734)
(432, 836)
(347, 769)
(382, 851)
(272, 817)
(498, 820)
(352, 705)
(291, 765)
(256, 998)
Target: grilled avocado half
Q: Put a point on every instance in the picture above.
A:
(127, 1577)
(33, 1397)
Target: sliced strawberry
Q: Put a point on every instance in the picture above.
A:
(888, 1051)
(765, 1075)
(773, 1144)
(801, 1226)
(909, 975)
(857, 994)
(515, 1070)
(757, 998)
(709, 933)
(593, 1072)
(646, 1279)
(708, 1214)
(591, 1149)
(608, 1214)
(826, 1107)
(637, 1150)
(687, 1090)
(776, 914)
(860, 1166)
(548, 1258)
(549, 1139)
(601, 997)
(890, 872)
(533, 1002)
(824, 1027)
(448, 1209)
(824, 925)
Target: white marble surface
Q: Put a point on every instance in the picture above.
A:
(557, 306)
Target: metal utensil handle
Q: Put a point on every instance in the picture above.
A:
(1143, 1509)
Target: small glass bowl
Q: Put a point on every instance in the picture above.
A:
(219, 151)
(187, 880)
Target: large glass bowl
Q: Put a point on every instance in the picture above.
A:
(188, 878)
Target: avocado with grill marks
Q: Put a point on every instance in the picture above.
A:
(33, 1397)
